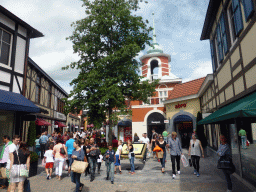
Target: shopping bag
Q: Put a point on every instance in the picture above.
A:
(247, 143)
(65, 165)
(160, 154)
(184, 161)
(43, 162)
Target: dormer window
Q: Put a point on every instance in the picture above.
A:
(5, 47)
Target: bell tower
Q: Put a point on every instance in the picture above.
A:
(156, 62)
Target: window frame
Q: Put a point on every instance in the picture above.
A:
(10, 49)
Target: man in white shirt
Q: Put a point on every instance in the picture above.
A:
(145, 140)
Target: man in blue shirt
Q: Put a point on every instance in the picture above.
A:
(42, 141)
(110, 163)
(70, 148)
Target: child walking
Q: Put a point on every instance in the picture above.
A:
(99, 161)
(48, 158)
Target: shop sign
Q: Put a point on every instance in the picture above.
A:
(180, 105)
(166, 121)
(156, 122)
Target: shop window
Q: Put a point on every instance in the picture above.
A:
(5, 47)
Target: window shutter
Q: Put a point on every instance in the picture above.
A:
(157, 101)
(152, 101)
(237, 16)
(248, 8)
(219, 44)
(213, 56)
(223, 33)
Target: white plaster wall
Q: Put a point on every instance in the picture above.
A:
(139, 128)
(5, 77)
(15, 87)
(4, 88)
(20, 55)
(22, 31)
(8, 22)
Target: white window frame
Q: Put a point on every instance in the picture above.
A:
(162, 95)
(10, 51)
(231, 27)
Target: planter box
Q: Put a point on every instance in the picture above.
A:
(33, 169)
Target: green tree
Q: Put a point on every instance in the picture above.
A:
(200, 130)
(107, 42)
(31, 134)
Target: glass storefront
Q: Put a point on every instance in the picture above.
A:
(6, 124)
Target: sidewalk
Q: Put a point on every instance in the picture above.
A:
(150, 178)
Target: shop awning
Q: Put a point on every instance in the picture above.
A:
(125, 123)
(16, 102)
(60, 124)
(41, 122)
(182, 118)
(245, 107)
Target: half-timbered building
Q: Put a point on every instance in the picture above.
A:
(228, 100)
(15, 36)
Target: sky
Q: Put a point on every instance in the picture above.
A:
(178, 24)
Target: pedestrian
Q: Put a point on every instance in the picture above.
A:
(49, 142)
(115, 142)
(47, 135)
(242, 134)
(92, 158)
(153, 145)
(48, 158)
(70, 147)
(145, 140)
(110, 163)
(136, 138)
(99, 161)
(175, 152)
(55, 137)
(195, 153)
(59, 158)
(131, 156)
(224, 150)
(118, 156)
(19, 160)
(153, 133)
(86, 149)
(165, 135)
(38, 149)
(65, 137)
(42, 141)
(162, 144)
(4, 156)
(78, 155)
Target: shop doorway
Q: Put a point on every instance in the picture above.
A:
(155, 121)
(184, 128)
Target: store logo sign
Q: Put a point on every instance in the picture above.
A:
(180, 105)
(156, 122)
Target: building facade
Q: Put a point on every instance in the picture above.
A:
(227, 101)
(73, 122)
(45, 93)
(182, 107)
(15, 36)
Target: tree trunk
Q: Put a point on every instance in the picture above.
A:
(110, 127)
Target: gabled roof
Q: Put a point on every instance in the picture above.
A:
(210, 18)
(33, 32)
(47, 76)
(186, 89)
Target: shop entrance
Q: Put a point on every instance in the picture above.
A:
(155, 121)
(184, 127)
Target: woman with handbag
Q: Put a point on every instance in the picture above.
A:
(131, 156)
(78, 155)
(162, 144)
(60, 153)
(19, 167)
(195, 153)
(224, 151)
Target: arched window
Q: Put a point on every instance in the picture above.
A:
(154, 69)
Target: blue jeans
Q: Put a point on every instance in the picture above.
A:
(93, 164)
(110, 170)
(243, 140)
(132, 164)
(228, 179)
(163, 160)
(75, 178)
(69, 159)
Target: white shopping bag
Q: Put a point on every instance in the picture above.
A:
(184, 161)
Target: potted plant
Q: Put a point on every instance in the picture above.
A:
(33, 164)
(31, 136)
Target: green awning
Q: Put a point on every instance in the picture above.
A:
(245, 107)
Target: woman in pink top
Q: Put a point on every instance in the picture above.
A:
(59, 158)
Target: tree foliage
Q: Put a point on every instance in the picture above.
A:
(107, 42)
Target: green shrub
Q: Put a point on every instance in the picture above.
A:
(31, 134)
(33, 157)
(104, 149)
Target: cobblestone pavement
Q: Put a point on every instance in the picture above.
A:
(148, 178)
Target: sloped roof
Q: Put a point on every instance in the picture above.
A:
(186, 89)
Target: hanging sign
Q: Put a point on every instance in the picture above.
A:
(166, 121)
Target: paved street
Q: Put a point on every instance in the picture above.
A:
(149, 178)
